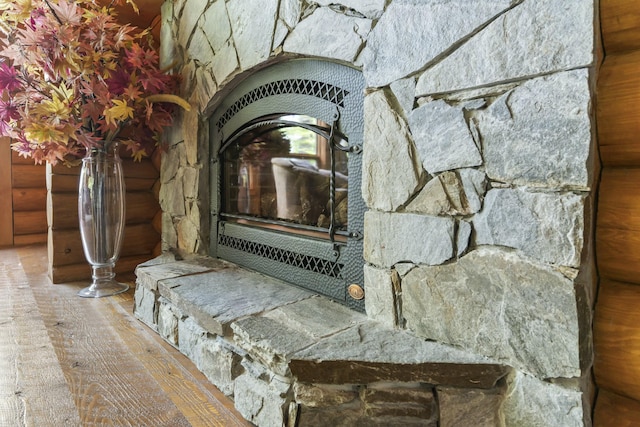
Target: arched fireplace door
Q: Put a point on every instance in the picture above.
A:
(286, 193)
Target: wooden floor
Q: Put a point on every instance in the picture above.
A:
(70, 361)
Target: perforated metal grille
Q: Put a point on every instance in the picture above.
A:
(315, 88)
(306, 262)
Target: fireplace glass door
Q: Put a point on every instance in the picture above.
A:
(286, 199)
(287, 172)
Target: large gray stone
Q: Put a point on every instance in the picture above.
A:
(290, 11)
(303, 316)
(404, 91)
(245, 293)
(145, 306)
(167, 50)
(252, 25)
(547, 227)
(533, 38)
(372, 342)
(148, 276)
(225, 62)
(534, 403)
(270, 342)
(539, 134)
(199, 48)
(463, 234)
(380, 300)
(220, 363)
(261, 399)
(172, 196)
(188, 19)
(343, 42)
(451, 193)
(215, 25)
(391, 171)
(474, 183)
(190, 339)
(168, 316)
(494, 303)
(406, 237)
(411, 34)
(443, 138)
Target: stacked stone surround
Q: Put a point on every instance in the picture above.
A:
(478, 173)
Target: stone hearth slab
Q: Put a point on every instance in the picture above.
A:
(297, 334)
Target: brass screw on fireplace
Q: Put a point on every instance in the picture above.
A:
(356, 291)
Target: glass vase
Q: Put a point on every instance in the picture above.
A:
(101, 211)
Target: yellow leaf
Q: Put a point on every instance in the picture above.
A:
(55, 109)
(139, 155)
(41, 133)
(65, 92)
(120, 111)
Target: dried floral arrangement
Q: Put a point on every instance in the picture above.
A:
(73, 79)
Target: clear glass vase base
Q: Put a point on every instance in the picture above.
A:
(103, 289)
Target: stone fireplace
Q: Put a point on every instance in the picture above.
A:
(479, 169)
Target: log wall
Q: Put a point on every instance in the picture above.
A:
(29, 197)
(617, 314)
(142, 228)
(6, 202)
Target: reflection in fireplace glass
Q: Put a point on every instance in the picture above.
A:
(278, 169)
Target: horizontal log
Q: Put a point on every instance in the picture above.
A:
(618, 253)
(617, 110)
(619, 199)
(62, 209)
(61, 169)
(65, 246)
(58, 183)
(82, 271)
(29, 199)
(28, 176)
(617, 338)
(142, 169)
(29, 239)
(29, 222)
(620, 25)
(615, 410)
(17, 159)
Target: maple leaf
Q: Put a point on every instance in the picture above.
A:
(88, 139)
(65, 92)
(119, 81)
(20, 9)
(138, 152)
(42, 132)
(119, 112)
(132, 92)
(9, 78)
(6, 129)
(55, 108)
(8, 110)
(66, 12)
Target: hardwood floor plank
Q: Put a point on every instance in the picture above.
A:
(199, 405)
(33, 390)
(117, 370)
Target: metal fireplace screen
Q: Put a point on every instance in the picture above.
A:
(286, 197)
